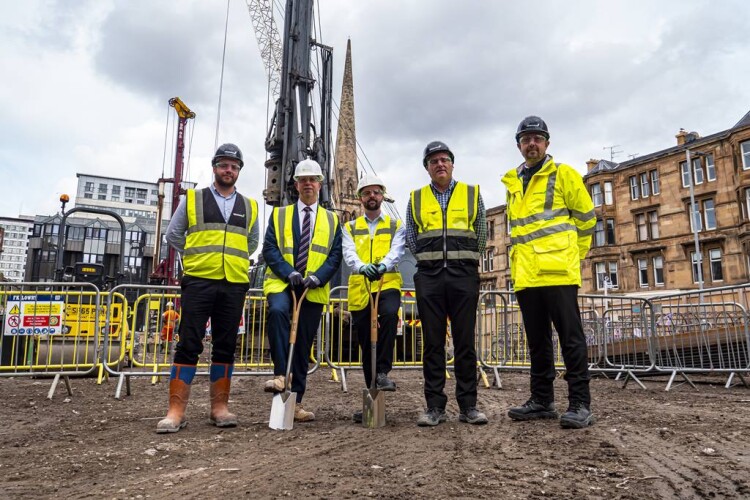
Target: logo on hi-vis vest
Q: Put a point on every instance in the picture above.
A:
(239, 215)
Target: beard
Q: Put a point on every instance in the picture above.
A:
(372, 204)
(220, 181)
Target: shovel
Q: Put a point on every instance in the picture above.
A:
(283, 405)
(373, 400)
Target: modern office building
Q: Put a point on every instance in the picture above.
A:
(14, 244)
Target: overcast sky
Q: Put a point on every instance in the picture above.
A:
(85, 84)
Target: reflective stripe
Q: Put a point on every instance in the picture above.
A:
(549, 198)
(282, 226)
(359, 232)
(586, 232)
(319, 249)
(218, 249)
(331, 231)
(198, 206)
(416, 208)
(546, 231)
(452, 255)
(546, 215)
(581, 216)
(471, 193)
(435, 233)
(386, 230)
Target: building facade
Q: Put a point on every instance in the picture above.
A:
(14, 244)
(128, 198)
(644, 240)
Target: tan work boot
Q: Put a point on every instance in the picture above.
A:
(302, 415)
(276, 384)
(219, 392)
(179, 394)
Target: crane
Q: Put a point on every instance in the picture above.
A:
(269, 41)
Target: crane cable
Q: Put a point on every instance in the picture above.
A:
(221, 80)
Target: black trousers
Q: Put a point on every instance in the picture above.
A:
(390, 301)
(542, 307)
(219, 300)
(279, 323)
(439, 297)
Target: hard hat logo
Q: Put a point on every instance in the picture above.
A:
(435, 147)
(308, 168)
(228, 151)
(532, 125)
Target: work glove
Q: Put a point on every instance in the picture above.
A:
(295, 279)
(311, 282)
(381, 270)
(370, 271)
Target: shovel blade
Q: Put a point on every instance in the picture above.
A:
(282, 412)
(373, 408)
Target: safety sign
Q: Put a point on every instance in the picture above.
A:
(33, 314)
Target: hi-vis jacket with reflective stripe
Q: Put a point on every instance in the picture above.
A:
(371, 251)
(446, 239)
(550, 226)
(322, 241)
(215, 249)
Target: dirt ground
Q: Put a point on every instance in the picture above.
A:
(645, 444)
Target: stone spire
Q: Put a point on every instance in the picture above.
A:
(345, 166)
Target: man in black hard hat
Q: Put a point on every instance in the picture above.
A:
(552, 219)
(216, 230)
(446, 230)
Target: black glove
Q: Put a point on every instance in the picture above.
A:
(311, 283)
(371, 272)
(295, 279)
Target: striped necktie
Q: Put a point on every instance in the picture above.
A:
(304, 242)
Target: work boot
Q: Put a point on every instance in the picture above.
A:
(302, 415)
(221, 380)
(578, 416)
(179, 393)
(533, 409)
(472, 416)
(385, 384)
(432, 417)
(276, 384)
(357, 417)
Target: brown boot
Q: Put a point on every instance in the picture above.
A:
(179, 393)
(220, 415)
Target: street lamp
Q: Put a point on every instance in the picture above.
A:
(693, 216)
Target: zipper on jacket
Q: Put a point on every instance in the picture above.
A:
(445, 236)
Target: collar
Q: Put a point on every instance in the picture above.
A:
(379, 217)
(217, 193)
(301, 206)
(450, 186)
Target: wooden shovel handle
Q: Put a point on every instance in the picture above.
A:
(296, 306)
(374, 311)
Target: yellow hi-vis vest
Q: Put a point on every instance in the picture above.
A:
(446, 239)
(326, 223)
(550, 226)
(214, 248)
(371, 250)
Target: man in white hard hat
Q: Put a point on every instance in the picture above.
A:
(373, 245)
(302, 249)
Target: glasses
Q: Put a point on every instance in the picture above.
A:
(228, 166)
(442, 159)
(307, 179)
(532, 138)
(371, 192)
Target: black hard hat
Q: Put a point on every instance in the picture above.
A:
(434, 147)
(228, 151)
(532, 124)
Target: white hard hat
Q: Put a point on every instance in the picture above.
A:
(170, 304)
(369, 180)
(308, 168)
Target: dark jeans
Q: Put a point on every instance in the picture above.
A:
(542, 307)
(390, 301)
(439, 297)
(219, 300)
(279, 323)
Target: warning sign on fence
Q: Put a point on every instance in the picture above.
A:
(33, 314)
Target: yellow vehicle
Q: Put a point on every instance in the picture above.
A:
(81, 320)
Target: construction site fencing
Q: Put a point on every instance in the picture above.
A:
(53, 330)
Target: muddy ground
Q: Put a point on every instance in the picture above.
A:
(646, 444)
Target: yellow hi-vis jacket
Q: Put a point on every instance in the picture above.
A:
(371, 250)
(326, 223)
(446, 238)
(550, 226)
(214, 248)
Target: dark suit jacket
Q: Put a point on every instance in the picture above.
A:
(282, 269)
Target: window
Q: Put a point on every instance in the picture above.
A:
(647, 225)
(697, 273)
(76, 233)
(103, 188)
(710, 167)
(747, 206)
(599, 233)
(634, 191)
(606, 275)
(610, 231)
(697, 171)
(115, 198)
(745, 147)
(89, 186)
(141, 193)
(608, 198)
(88, 195)
(155, 192)
(491, 230)
(685, 174)
(645, 185)
(714, 256)
(643, 272)
(102, 196)
(129, 192)
(596, 194)
(655, 182)
(705, 220)
(116, 190)
(488, 261)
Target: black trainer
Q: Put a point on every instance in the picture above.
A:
(385, 384)
(533, 409)
(472, 416)
(578, 416)
(432, 417)
(357, 417)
